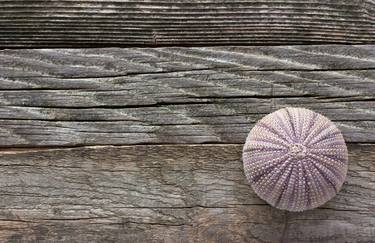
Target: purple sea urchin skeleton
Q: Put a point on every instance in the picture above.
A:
(295, 159)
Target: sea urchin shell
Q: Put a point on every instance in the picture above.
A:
(295, 159)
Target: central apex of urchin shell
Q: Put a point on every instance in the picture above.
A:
(295, 159)
(297, 150)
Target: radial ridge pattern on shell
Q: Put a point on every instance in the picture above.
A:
(295, 159)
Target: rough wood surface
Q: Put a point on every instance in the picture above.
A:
(75, 97)
(25, 23)
(107, 145)
(167, 193)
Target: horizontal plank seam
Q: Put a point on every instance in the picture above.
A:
(260, 70)
(25, 149)
(213, 98)
(260, 43)
(134, 74)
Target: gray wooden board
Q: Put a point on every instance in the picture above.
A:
(75, 97)
(108, 144)
(166, 193)
(25, 23)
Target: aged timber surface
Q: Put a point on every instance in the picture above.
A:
(144, 144)
(166, 193)
(75, 97)
(77, 23)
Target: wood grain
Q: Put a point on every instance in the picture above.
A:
(110, 144)
(77, 97)
(73, 23)
(166, 193)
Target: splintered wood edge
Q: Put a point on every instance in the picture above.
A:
(171, 192)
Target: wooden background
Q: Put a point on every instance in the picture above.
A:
(124, 121)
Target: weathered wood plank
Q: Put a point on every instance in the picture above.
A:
(70, 97)
(220, 122)
(210, 22)
(104, 62)
(174, 193)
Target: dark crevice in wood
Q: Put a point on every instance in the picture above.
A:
(219, 69)
(337, 99)
(154, 124)
(187, 45)
(285, 228)
(205, 100)
(343, 210)
(30, 148)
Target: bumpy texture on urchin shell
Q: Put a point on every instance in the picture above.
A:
(295, 159)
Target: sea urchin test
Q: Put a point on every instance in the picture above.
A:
(295, 159)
